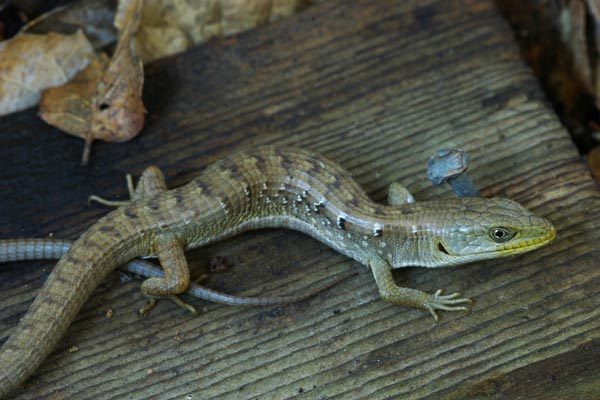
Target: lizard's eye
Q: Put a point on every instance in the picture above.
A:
(501, 235)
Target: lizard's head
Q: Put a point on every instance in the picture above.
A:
(480, 228)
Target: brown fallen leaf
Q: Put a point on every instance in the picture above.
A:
(118, 108)
(31, 63)
(166, 27)
(69, 107)
(169, 27)
(104, 101)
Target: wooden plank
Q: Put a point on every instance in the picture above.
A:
(378, 87)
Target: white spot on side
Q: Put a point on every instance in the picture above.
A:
(224, 207)
(318, 205)
(377, 230)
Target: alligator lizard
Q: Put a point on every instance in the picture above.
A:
(268, 187)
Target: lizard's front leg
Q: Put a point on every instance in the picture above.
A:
(389, 291)
(398, 195)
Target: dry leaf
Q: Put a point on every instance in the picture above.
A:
(169, 27)
(69, 107)
(94, 17)
(31, 63)
(118, 108)
(104, 101)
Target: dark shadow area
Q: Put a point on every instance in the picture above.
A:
(536, 27)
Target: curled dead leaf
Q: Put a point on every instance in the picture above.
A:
(69, 107)
(118, 108)
(31, 63)
(105, 100)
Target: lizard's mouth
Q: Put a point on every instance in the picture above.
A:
(442, 248)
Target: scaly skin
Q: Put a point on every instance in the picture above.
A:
(269, 187)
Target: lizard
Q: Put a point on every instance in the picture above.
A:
(269, 187)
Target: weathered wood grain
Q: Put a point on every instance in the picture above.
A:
(378, 87)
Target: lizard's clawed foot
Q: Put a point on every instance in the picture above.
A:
(145, 310)
(183, 304)
(448, 302)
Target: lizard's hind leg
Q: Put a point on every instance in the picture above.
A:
(170, 249)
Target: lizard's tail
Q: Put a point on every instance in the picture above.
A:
(68, 287)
